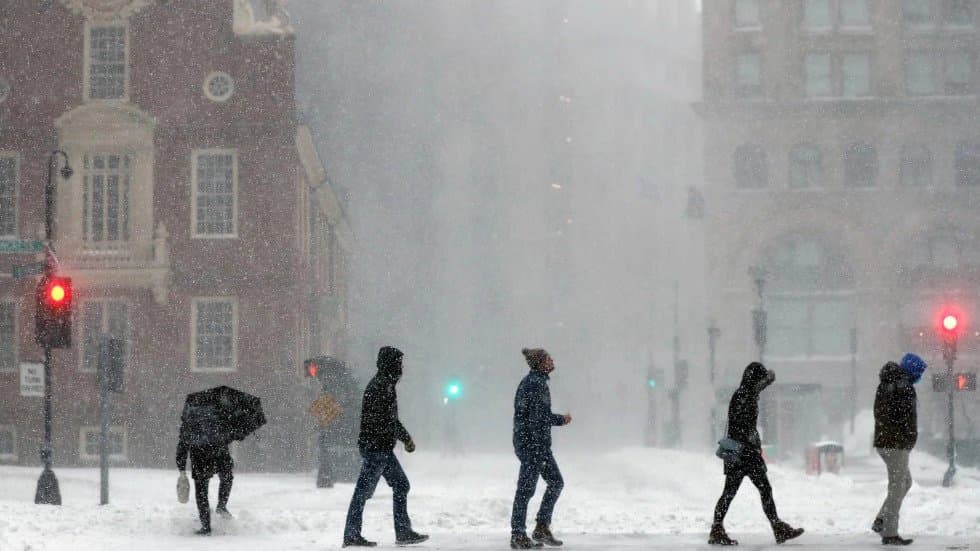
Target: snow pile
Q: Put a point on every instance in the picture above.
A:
(245, 22)
(631, 498)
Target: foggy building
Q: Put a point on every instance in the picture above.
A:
(198, 225)
(842, 158)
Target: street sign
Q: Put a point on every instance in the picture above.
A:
(26, 270)
(20, 246)
(32, 379)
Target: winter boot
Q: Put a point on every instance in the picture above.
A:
(410, 538)
(358, 541)
(520, 540)
(718, 536)
(542, 534)
(203, 532)
(878, 525)
(223, 512)
(784, 532)
(895, 540)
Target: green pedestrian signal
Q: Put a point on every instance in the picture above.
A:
(454, 389)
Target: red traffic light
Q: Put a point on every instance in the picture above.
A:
(950, 322)
(311, 368)
(961, 381)
(57, 291)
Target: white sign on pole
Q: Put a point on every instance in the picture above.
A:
(32, 379)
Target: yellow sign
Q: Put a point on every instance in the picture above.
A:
(325, 410)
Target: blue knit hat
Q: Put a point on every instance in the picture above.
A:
(914, 366)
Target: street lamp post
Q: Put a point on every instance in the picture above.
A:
(713, 335)
(759, 332)
(48, 492)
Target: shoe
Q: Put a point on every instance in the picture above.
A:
(410, 538)
(718, 536)
(203, 532)
(878, 525)
(542, 534)
(784, 532)
(521, 541)
(895, 540)
(223, 513)
(358, 541)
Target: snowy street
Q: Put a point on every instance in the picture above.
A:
(627, 499)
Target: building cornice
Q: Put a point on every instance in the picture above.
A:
(105, 10)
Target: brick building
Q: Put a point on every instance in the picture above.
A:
(842, 156)
(198, 224)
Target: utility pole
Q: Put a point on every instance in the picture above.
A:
(713, 335)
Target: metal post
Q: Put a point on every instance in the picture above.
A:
(854, 349)
(324, 474)
(760, 333)
(49, 193)
(713, 334)
(48, 492)
(949, 354)
(103, 378)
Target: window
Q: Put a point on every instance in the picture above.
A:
(90, 438)
(746, 14)
(8, 443)
(748, 75)
(915, 168)
(4, 89)
(816, 15)
(215, 193)
(751, 170)
(816, 69)
(804, 167)
(854, 14)
(8, 336)
(219, 86)
(103, 317)
(920, 79)
(958, 72)
(8, 195)
(105, 197)
(967, 164)
(958, 13)
(917, 13)
(860, 165)
(107, 64)
(855, 79)
(215, 334)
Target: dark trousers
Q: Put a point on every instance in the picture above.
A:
(733, 479)
(375, 466)
(527, 480)
(201, 495)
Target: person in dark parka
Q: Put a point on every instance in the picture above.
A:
(206, 461)
(380, 429)
(896, 432)
(743, 415)
(533, 420)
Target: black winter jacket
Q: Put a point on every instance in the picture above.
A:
(533, 418)
(743, 410)
(380, 427)
(896, 420)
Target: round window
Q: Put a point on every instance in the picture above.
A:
(4, 89)
(219, 86)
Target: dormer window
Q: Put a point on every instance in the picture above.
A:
(106, 66)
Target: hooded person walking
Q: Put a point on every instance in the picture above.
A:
(380, 429)
(896, 431)
(743, 415)
(533, 420)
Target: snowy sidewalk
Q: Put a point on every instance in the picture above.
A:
(627, 499)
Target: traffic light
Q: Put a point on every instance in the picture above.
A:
(54, 309)
(950, 326)
(966, 382)
(311, 368)
(454, 390)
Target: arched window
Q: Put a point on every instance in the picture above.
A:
(915, 168)
(751, 167)
(805, 166)
(809, 300)
(860, 165)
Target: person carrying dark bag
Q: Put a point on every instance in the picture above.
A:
(742, 454)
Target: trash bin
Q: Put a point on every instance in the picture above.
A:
(826, 456)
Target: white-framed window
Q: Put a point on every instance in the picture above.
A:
(958, 13)
(106, 181)
(9, 188)
(103, 316)
(214, 196)
(8, 336)
(219, 86)
(816, 15)
(817, 73)
(747, 14)
(918, 13)
(966, 163)
(805, 167)
(821, 16)
(88, 443)
(860, 165)
(915, 166)
(751, 167)
(958, 72)
(214, 334)
(855, 68)
(107, 62)
(8, 443)
(855, 14)
(748, 75)
(920, 74)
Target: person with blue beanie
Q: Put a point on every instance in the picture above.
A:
(896, 432)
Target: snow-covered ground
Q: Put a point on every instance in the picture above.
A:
(624, 499)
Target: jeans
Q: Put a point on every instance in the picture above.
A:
(899, 483)
(546, 467)
(756, 472)
(377, 465)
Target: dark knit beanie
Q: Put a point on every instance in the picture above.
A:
(535, 357)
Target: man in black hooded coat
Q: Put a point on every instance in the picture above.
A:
(743, 416)
(380, 429)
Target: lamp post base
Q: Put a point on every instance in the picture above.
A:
(47, 489)
(948, 477)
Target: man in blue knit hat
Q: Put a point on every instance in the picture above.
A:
(896, 431)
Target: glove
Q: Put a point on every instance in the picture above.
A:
(183, 488)
(410, 445)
